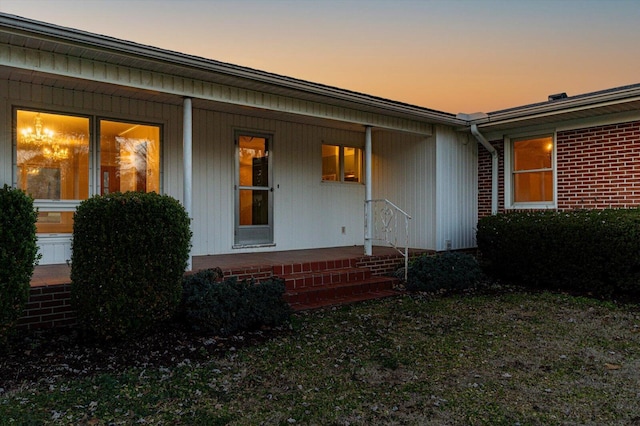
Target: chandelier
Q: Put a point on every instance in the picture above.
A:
(41, 136)
(55, 153)
(45, 138)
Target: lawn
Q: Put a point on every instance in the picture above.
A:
(509, 358)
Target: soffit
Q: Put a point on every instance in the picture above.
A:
(68, 83)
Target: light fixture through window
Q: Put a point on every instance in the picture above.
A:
(41, 136)
(45, 138)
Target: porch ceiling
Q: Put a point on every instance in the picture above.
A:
(62, 82)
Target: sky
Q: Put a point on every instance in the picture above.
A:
(453, 56)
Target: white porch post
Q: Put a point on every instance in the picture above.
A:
(368, 243)
(187, 152)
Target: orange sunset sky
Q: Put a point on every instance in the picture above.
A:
(453, 56)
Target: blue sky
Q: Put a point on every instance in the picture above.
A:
(454, 56)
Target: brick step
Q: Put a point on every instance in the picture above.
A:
(306, 267)
(325, 278)
(332, 293)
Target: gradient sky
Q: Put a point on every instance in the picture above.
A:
(453, 56)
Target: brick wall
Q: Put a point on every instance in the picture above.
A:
(48, 306)
(597, 167)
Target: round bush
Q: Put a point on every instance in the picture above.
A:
(448, 271)
(18, 254)
(130, 251)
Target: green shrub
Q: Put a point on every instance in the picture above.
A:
(225, 307)
(130, 252)
(18, 254)
(596, 251)
(448, 271)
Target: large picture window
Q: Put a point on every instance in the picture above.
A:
(532, 170)
(55, 162)
(342, 163)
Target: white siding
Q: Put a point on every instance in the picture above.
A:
(457, 182)
(308, 213)
(404, 173)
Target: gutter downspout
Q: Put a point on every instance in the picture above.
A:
(494, 166)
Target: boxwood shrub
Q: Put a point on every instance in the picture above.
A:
(590, 251)
(445, 271)
(130, 251)
(213, 305)
(18, 254)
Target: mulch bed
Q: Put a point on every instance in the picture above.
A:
(53, 354)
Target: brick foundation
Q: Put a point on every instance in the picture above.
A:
(50, 305)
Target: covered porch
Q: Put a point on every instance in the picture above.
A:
(313, 277)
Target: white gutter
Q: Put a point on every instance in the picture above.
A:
(494, 166)
(573, 104)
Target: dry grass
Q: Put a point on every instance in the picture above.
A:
(513, 358)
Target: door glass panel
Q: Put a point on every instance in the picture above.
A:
(129, 157)
(254, 207)
(254, 161)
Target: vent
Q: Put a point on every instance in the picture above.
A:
(558, 96)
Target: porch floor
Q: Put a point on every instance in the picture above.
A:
(60, 274)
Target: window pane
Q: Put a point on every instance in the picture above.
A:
(55, 222)
(330, 162)
(352, 164)
(254, 207)
(254, 161)
(532, 154)
(533, 187)
(129, 157)
(53, 155)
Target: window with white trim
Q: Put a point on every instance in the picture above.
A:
(342, 163)
(54, 153)
(531, 170)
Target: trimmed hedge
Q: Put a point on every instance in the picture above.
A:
(130, 251)
(18, 254)
(446, 271)
(593, 251)
(213, 305)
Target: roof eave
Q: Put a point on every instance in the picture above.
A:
(559, 107)
(112, 45)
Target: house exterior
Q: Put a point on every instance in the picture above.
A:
(261, 162)
(264, 162)
(578, 152)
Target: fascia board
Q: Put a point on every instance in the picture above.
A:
(561, 107)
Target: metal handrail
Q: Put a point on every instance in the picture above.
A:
(385, 226)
